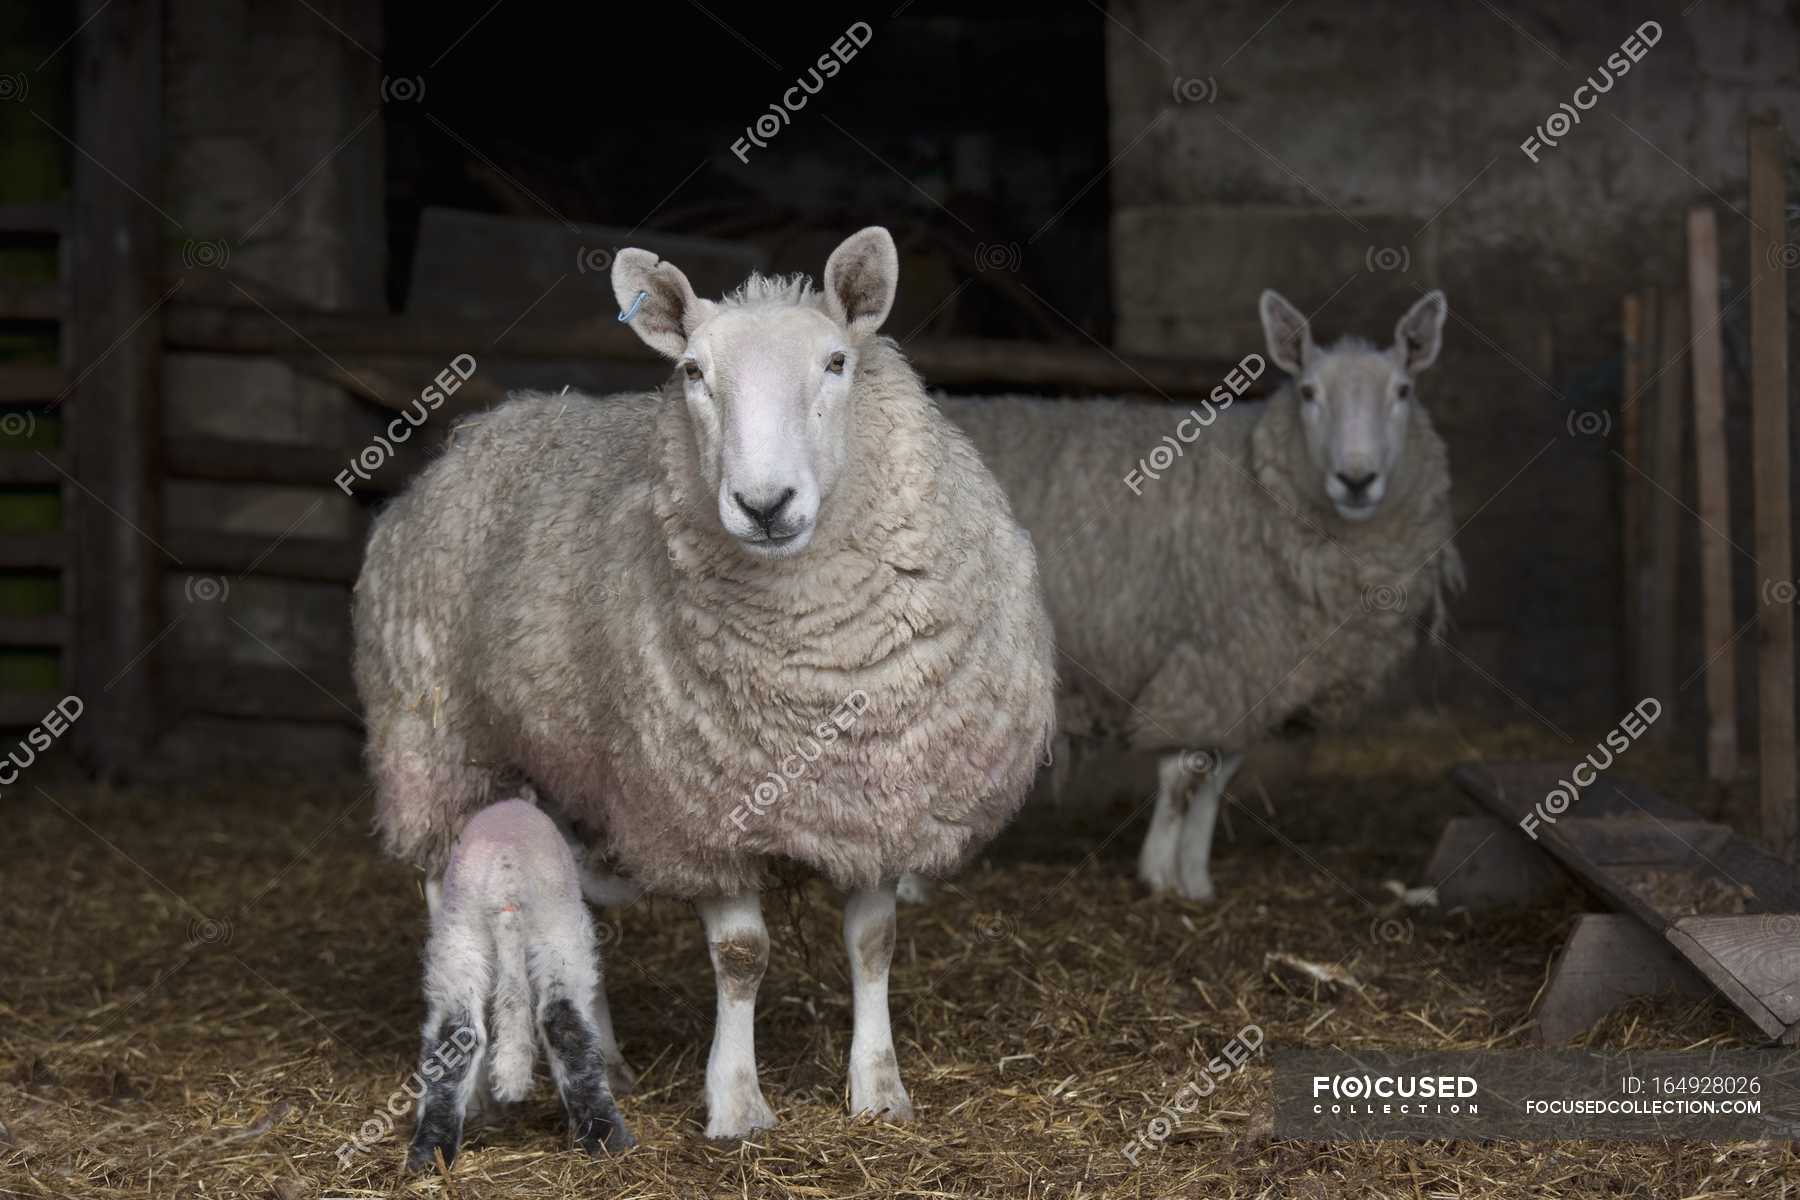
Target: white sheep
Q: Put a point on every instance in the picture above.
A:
(1214, 572)
(511, 959)
(775, 609)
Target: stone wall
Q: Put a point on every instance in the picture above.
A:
(1352, 156)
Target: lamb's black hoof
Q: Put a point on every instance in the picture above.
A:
(604, 1135)
(427, 1140)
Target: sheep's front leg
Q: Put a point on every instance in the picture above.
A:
(1157, 861)
(739, 945)
(1194, 855)
(874, 1072)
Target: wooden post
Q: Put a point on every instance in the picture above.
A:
(1638, 329)
(1665, 518)
(1715, 496)
(112, 415)
(1769, 458)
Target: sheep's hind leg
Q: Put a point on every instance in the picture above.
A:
(1195, 852)
(1158, 865)
(875, 1085)
(739, 944)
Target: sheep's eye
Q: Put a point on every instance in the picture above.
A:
(835, 364)
(1404, 391)
(1308, 392)
(694, 373)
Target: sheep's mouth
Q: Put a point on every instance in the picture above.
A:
(1356, 510)
(777, 545)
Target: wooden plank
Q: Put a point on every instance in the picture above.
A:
(1748, 960)
(229, 329)
(1760, 952)
(32, 301)
(32, 383)
(1635, 315)
(19, 710)
(1717, 626)
(52, 629)
(113, 416)
(33, 550)
(1480, 864)
(1663, 515)
(1770, 455)
(1607, 960)
(274, 693)
(52, 218)
(235, 460)
(316, 559)
(31, 468)
(1721, 952)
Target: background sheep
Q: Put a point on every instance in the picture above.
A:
(775, 609)
(1280, 566)
(508, 925)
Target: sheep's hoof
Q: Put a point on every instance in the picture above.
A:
(881, 1094)
(1198, 890)
(1159, 877)
(740, 1117)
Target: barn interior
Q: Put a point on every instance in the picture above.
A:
(237, 238)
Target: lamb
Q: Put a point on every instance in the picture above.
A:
(508, 926)
(1280, 566)
(776, 609)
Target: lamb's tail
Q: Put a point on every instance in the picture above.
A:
(514, 1031)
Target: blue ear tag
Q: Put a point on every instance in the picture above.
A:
(625, 317)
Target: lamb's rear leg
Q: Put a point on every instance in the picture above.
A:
(453, 1045)
(739, 944)
(875, 1085)
(572, 1044)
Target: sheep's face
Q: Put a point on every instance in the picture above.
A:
(767, 378)
(768, 392)
(1354, 400)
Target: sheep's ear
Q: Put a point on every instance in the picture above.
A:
(1288, 334)
(670, 312)
(1421, 331)
(860, 279)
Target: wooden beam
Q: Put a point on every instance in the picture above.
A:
(271, 693)
(1637, 320)
(1608, 960)
(33, 550)
(49, 630)
(221, 328)
(1663, 515)
(19, 710)
(236, 460)
(1715, 496)
(34, 218)
(32, 383)
(30, 468)
(1770, 456)
(32, 301)
(320, 560)
(113, 415)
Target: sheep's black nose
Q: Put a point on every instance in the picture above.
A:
(1357, 484)
(764, 513)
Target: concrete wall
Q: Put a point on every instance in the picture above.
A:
(1352, 156)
